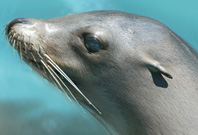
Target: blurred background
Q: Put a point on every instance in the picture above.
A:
(29, 104)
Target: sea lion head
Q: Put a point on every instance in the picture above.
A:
(105, 58)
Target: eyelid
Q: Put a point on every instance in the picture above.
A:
(89, 35)
(85, 35)
(93, 38)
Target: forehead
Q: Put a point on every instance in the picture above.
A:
(106, 18)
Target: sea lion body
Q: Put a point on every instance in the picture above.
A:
(143, 77)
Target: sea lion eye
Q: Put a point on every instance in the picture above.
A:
(92, 43)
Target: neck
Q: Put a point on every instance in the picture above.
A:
(141, 107)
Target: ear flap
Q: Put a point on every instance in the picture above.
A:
(154, 66)
(157, 71)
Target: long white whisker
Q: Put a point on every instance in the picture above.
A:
(58, 78)
(52, 71)
(48, 69)
(70, 81)
(66, 88)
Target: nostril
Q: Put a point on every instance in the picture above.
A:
(15, 21)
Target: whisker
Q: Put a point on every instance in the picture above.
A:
(63, 84)
(29, 44)
(13, 36)
(33, 57)
(17, 43)
(4, 32)
(17, 40)
(10, 39)
(25, 46)
(20, 47)
(66, 87)
(10, 32)
(44, 71)
(61, 72)
(48, 69)
(10, 35)
(14, 43)
(19, 50)
(70, 81)
(39, 67)
(26, 52)
(13, 49)
(60, 81)
(4, 29)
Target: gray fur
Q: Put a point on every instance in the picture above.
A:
(144, 82)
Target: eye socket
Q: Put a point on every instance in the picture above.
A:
(92, 43)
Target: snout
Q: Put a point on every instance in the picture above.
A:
(14, 22)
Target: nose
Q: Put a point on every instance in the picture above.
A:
(13, 22)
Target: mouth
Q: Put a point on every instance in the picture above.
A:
(33, 55)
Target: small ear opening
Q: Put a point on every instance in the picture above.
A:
(157, 68)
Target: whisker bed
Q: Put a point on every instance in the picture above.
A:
(31, 52)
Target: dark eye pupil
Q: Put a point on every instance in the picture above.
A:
(92, 44)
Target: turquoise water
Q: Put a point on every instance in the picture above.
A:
(30, 105)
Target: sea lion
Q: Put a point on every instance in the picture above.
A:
(131, 72)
